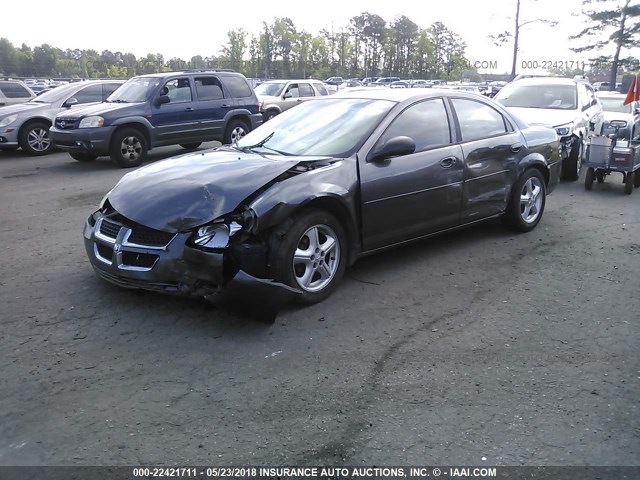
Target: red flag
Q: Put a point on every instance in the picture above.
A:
(633, 95)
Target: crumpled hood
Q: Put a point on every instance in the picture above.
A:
(181, 193)
(22, 108)
(544, 116)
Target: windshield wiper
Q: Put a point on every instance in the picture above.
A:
(260, 143)
(117, 101)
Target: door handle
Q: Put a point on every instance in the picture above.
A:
(448, 162)
(515, 148)
(188, 109)
(225, 106)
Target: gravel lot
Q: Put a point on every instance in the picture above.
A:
(479, 347)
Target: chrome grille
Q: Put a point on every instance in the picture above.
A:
(110, 229)
(147, 236)
(66, 123)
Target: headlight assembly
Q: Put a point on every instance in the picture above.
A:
(565, 130)
(92, 122)
(217, 234)
(8, 120)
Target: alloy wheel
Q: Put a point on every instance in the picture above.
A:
(316, 258)
(38, 139)
(131, 148)
(531, 200)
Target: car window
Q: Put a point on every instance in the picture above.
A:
(550, 96)
(305, 90)
(478, 120)
(208, 88)
(425, 122)
(179, 90)
(293, 90)
(14, 90)
(237, 85)
(90, 94)
(321, 89)
(108, 89)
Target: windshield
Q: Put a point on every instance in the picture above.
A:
(269, 89)
(614, 105)
(332, 127)
(57, 94)
(135, 90)
(553, 97)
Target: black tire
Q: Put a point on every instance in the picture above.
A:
(600, 175)
(571, 165)
(297, 234)
(191, 146)
(636, 179)
(236, 129)
(34, 138)
(588, 179)
(83, 157)
(128, 147)
(527, 201)
(628, 184)
(269, 114)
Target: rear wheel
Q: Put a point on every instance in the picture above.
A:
(34, 138)
(269, 114)
(235, 131)
(311, 255)
(526, 205)
(629, 181)
(128, 148)
(83, 157)
(191, 146)
(588, 179)
(600, 176)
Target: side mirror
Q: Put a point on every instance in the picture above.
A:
(636, 111)
(393, 147)
(70, 102)
(288, 95)
(162, 99)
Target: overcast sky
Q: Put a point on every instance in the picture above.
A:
(199, 27)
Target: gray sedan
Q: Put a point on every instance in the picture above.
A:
(26, 125)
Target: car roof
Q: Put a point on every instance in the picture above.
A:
(188, 72)
(292, 80)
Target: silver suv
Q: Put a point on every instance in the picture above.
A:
(568, 105)
(14, 91)
(26, 125)
(276, 96)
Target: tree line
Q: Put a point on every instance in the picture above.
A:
(367, 46)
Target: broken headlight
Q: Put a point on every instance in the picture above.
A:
(217, 234)
(564, 130)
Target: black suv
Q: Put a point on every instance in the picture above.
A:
(185, 108)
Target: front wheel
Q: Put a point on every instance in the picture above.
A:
(34, 138)
(526, 205)
(312, 254)
(571, 165)
(128, 148)
(588, 179)
(235, 131)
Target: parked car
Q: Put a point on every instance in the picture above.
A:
(597, 86)
(569, 105)
(276, 96)
(614, 109)
(315, 188)
(14, 91)
(421, 84)
(27, 125)
(337, 81)
(386, 81)
(399, 84)
(185, 108)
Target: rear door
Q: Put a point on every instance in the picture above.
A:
(176, 122)
(213, 106)
(491, 148)
(413, 195)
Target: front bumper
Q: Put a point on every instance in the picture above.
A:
(94, 141)
(9, 136)
(136, 257)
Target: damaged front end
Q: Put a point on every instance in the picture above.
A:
(219, 256)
